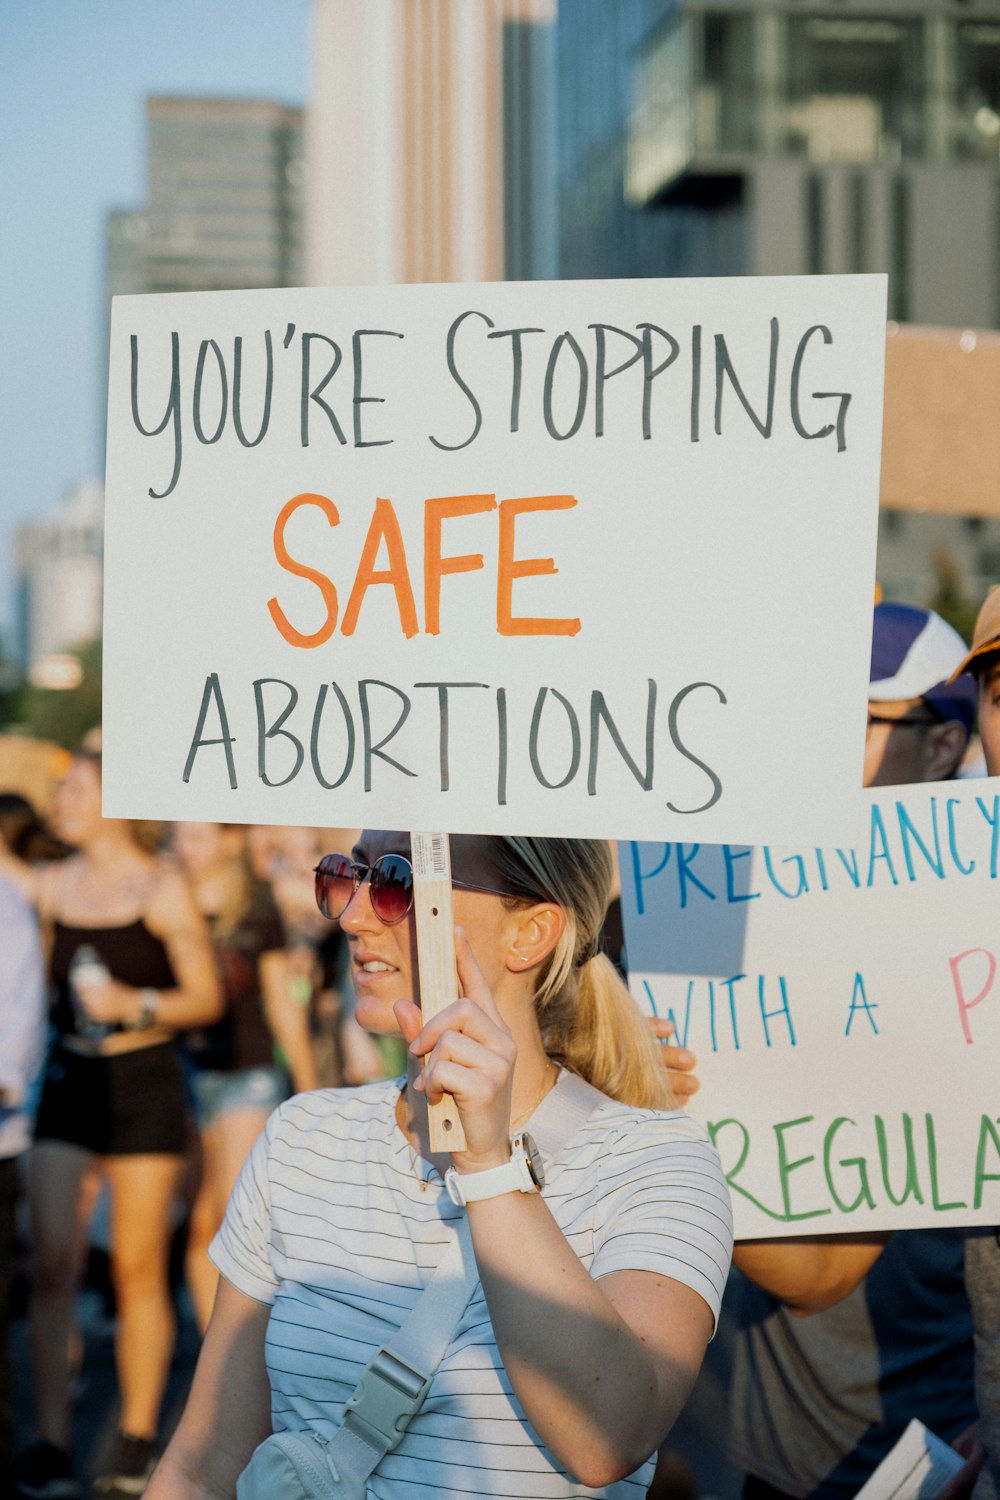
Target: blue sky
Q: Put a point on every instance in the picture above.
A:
(74, 75)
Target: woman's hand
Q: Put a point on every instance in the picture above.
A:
(109, 1002)
(960, 1487)
(678, 1061)
(469, 1053)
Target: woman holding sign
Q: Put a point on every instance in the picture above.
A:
(595, 1255)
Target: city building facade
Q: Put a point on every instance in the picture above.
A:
(224, 205)
(781, 137)
(430, 141)
(59, 578)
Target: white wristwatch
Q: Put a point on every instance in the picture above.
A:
(524, 1173)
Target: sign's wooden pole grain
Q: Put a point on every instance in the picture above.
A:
(431, 856)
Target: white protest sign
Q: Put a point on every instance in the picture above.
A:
(844, 1004)
(494, 558)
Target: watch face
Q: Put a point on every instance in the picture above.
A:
(536, 1165)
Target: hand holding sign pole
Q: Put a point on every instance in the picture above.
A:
(431, 856)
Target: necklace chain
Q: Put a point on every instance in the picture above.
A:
(541, 1095)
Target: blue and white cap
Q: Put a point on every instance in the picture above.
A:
(914, 652)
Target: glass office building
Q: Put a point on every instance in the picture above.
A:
(601, 231)
(781, 138)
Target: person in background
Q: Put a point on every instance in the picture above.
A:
(982, 1246)
(345, 1053)
(22, 1047)
(918, 722)
(235, 1076)
(130, 966)
(983, 661)
(817, 1402)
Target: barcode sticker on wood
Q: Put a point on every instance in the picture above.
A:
(429, 854)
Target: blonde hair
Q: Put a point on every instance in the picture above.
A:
(588, 1019)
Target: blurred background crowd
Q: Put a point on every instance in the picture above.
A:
(185, 984)
(236, 144)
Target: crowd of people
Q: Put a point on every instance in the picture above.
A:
(190, 990)
(206, 980)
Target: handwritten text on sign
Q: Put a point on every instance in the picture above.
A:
(845, 1008)
(493, 557)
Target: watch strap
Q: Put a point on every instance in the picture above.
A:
(513, 1177)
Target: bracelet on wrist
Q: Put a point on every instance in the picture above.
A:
(149, 1011)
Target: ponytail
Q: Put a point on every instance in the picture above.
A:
(594, 1028)
(588, 1020)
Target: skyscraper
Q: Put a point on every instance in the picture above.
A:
(602, 231)
(430, 141)
(224, 208)
(788, 136)
(59, 576)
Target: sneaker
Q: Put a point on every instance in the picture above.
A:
(45, 1472)
(131, 1469)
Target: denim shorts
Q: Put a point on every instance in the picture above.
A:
(216, 1093)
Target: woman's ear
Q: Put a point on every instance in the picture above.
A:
(538, 930)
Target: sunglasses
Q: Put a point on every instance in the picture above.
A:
(390, 886)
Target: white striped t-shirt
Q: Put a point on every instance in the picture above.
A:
(337, 1225)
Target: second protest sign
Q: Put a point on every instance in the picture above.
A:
(844, 1006)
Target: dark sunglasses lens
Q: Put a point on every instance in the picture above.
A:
(334, 884)
(392, 887)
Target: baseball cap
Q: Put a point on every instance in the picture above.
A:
(916, 654)
(986, 635)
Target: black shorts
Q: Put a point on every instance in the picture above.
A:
(128, 1104)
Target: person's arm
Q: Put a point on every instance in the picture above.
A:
(811, 1274)
(27, 878)
(22, 1000)
(228, 1412)
(288, 1019)
(808, 1274)
(197, 998)
(602, 1367)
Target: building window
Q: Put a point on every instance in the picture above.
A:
(854, 88)
(977, 114)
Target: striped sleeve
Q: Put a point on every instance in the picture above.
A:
(241, 1250)
(665, 1207)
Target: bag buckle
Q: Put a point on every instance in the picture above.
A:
(387, 1395)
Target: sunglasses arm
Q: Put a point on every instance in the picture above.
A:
(432, 913)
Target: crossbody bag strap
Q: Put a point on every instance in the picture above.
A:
(396, 1379)
(563, 1111)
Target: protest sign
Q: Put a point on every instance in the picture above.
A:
(844, 1004)
(494, 558)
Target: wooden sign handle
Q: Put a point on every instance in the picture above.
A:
(431, 859)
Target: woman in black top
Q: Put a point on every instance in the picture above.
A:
(130, 966)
